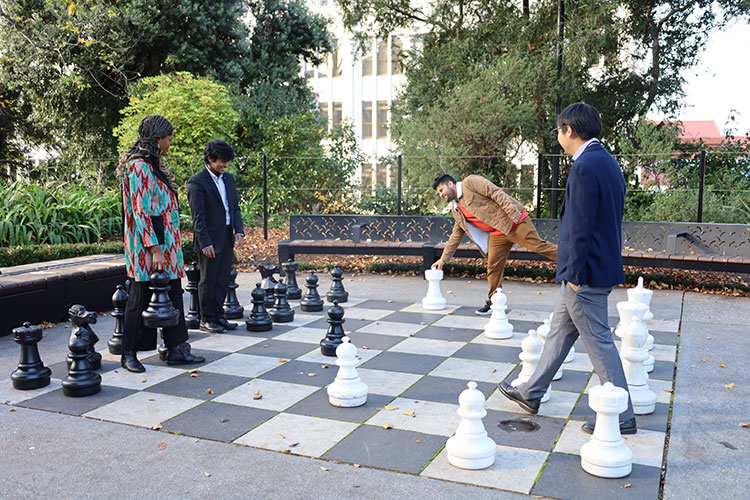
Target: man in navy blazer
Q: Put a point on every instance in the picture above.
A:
(589, 263)
(218, 226)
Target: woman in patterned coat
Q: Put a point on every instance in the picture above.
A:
(152, 242)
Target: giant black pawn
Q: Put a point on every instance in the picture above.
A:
(160, 312)
(281, 311)
(268, 283)
(293, 291)
(259, 320)
(81, 319)
(193, 316)
(311, 301)
(82, 380)
(119, 301)
(232, 307)
(31, 372)
(337, 292)
(335, 330)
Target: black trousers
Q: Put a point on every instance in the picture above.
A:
(138, 337)
(214, 283)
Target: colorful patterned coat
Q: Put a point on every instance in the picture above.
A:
(145, 195)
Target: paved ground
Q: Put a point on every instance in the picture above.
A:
(59, 455)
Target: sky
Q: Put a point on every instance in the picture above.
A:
(720, 83)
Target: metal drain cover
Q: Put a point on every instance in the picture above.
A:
(518, 425)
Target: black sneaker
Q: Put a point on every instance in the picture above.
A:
(485, 310)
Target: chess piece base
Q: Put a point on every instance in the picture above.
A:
(340, 297)
(328, 347)
(78, 388)
(193, 321)
(433, 304)
(115, 346)
(311, 307)
(607, 459)
(347, 401)
(234, 312)
(281, 316)
(259, 326)
(499, 333)
(483, 452)
(643, 399)
(27, 380)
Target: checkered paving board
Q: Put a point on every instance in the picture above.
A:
(268, 390)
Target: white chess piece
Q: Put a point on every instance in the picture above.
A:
(347, 390)
(606, 454)
(643, 296)
(498, 327)
(634, 353)
(434, 299)
(531, 352)
(542, 333)
(627, 310)
(470, 447)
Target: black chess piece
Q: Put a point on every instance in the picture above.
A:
(335, 330)
(193, 317)
(337, 292)
(312, 301)
(80, 319)
(31, 372)
(82, 380)
(259, 320)
(232, 307)
(268, 283)
(281, 311)
(160, 312)
(119, 301)
(293, 291)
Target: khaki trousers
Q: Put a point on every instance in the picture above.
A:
(499, 246)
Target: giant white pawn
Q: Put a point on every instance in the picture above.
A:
(531, 352)
(627, 310)
(434, 300)
(606, 454)
(471, 447)
(642, 295)
(542, 333)
(347, 390)
(634, 353)
(498, 327)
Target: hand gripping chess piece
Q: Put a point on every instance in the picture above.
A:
(633, 353)
(30, 372)
(312, 301)
(434, 300)
(337, 292)
(335, 332)
(290, 271)
(642, 295)
(281, 311)
(606, 454)
(193, 316)
(531, 353)
(470, 447)
(160, 312)
(81, 318)
(347, 390)
(82, 380)
(232, 307)
(627, 310)
(119, 301)
(498, 326)
(542, 333)
(259, 320)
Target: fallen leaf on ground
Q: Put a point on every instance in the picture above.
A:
(410, 413)
(703, 360)
(312, 374)
(207, 474)
(195, 375)
(209, 391)
(722, 365)
(389, 408)
(256, 393)
(323, 468)
(144, 381)
(151, 399)
(257, 396)
(390, 301)
(162, 446)
(626, 485)
(365, 347)
(744, 424)
(293, 445)
(194, 370)
(223, 420)
(729, 386)
(418, 441)
(668, 390)
(287, 451)
(422, 323)
(449, 291)
(539, 293)
(494, 371)
(156, 427)
(12, 410)
(282, 360)
(357, 466)
(708, 338)
(387, 426)
(282, 436)
(324, 366)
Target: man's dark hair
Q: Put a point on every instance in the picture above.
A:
(218, 150)
(442, 179)
(583, 118)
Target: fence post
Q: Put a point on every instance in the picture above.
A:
(398, 203)
(265, 196)
(702, 180)
(539, 186)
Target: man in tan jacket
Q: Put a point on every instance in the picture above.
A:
(494, 221)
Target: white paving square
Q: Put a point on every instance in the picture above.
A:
(243, 365)
(581, 362)
(352, 302)
(275, 395)
(429, 417)
(560, 404)
(367, 314)
(663, 324)
(417, 308)
(514, 341)
(303, 334)
(120, 377)
(391, 328)
(662, 352)
(144, 409)
(12, 396)
(522, 315)
(225, 342)
(300, 319)
(657, 386)
(515, 469)
(387, 383)
(472, 322)
(299, 434)
(473, 369)
(431, 347)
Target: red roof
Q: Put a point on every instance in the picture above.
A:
(705, 130)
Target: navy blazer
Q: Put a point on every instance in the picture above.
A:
(590, 243)
(209, 217)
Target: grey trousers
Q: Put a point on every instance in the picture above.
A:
(581, 313)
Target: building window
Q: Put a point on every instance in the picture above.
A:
(367, 66)
(381, 175)
(383, 58)
(324, 114)
(336, 114)
(336, 59)
(382, 119)
(366, 119)
(397, 47)
(367, 177)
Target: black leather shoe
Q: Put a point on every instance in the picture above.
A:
(228, 325)
(510, 392)
(626, 427)
(131, 363)
(485, 310)
(180, 355)
(212, 327)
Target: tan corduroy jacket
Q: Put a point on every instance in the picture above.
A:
(486, 202)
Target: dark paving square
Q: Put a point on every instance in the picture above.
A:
(317, 405)
(373, 340)
(468, 311)
(522, 326)
(279, 348)
(276, 329)
(210, 356)
(656, 421)
(487, 352)
(390, 449)
(203, 386)
(571, 381)
(60, 370)
(298, 310)
(58, 402)
(448, 333)
(383, 304)
(412, 317)
(219, 421)
(564, 478)
(525, 431)
(663, 370)
(664, 338)
(443, 390)
(350, 323)
(298, 372)
(404, 362)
